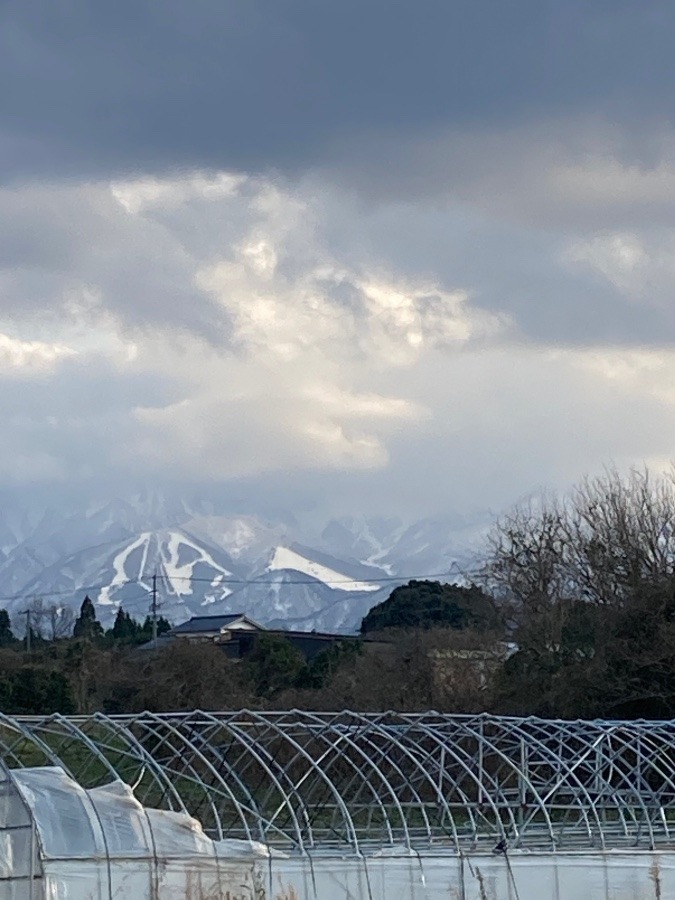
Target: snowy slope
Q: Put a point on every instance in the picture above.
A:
(284, 558)
(432, 546)
(192, 578)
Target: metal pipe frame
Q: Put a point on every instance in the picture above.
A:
(310, 782)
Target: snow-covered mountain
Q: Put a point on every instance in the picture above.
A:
(209, 562)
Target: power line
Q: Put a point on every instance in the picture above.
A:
(133, 601)
(78, 590)
(310, 579)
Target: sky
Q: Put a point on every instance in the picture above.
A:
(374, 256)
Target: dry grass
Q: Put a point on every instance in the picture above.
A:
(288, 893)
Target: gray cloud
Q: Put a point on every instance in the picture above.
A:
(362, 256)
(535, 271)
(356, 358)
(228, 85)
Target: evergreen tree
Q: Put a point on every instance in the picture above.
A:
(6, 636)
(125, 628)
(87, 625)
(275, 664)
(163, 626)
(36, 691)
(430, 604)
(319, 670)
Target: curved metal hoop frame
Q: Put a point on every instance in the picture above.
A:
(308, 782)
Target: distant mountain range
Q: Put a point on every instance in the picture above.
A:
(208, 561)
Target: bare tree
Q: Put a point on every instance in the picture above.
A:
(609, 540)
(50, 622)
(527, 565)
(621, 535)
(607, 536)
(61, 622)
(38, 616)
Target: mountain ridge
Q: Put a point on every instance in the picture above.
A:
(209, 561)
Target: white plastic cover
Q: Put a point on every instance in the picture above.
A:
(19, 859)
(601, 876)
(102, 843)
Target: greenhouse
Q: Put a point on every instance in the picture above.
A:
(316, 806)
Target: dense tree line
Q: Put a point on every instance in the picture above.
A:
(572, 614)
(96, 670)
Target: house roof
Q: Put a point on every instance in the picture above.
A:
(202, 624)
(326, 636)
(163, 640)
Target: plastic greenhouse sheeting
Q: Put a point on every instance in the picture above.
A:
(102, 843)
(527, 876)
(62, 842)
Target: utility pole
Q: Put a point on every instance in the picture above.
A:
(154, 611)
(26, 613)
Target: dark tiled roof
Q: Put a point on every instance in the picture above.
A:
(319, 635)
(199, 624)
(164, 640)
